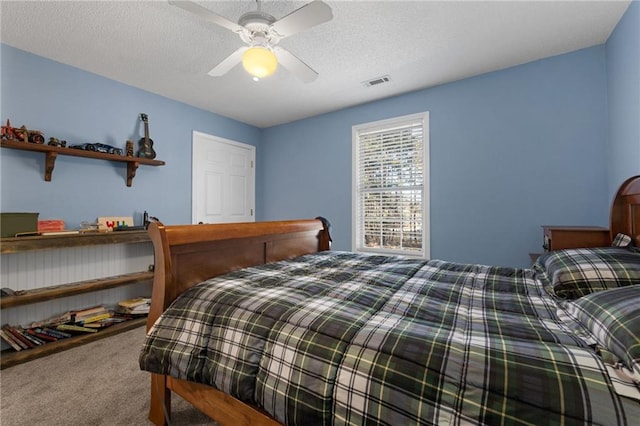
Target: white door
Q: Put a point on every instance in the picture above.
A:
(223, 182)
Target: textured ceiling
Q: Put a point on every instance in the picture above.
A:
(165, 50)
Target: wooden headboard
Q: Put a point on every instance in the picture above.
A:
(188, 254)
(625, 210)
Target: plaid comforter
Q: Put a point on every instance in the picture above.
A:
(343, 338)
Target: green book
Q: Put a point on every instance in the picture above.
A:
(70, 327)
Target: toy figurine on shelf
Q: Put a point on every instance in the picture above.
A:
(57, 142)
(9, 132)
(22, 134)
(129, 148)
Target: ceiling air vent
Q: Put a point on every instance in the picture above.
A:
(376, 81)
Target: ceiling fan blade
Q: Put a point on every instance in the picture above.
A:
(307, 16)
(291, 62)
(207, 14)
(229, 62)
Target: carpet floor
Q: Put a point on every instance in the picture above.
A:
(99, 383)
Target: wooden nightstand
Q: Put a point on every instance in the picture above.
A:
(564, 237)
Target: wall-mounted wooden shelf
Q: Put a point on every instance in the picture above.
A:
(65, 290)
(43, 242)
(44, 294)
(52, 152)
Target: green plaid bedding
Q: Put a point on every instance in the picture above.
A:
(573, 273)
(338, 338)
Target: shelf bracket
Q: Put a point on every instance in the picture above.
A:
(49, 163)
(132, 166)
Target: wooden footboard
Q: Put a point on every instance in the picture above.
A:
(188, 254)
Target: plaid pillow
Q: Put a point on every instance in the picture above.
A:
(613, 318)
(621, 240)
(574, 273)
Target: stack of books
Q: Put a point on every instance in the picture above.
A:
(78, 317)
(90, 315)
(20, 338)
(68, 324)
(54, 227)
(135, 306)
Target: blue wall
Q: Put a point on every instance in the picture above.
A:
(543, 143)
(510, 151)
(78, 106)
(623, 83)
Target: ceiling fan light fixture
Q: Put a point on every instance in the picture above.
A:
(259, 61)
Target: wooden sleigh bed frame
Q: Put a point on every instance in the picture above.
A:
(188, 254)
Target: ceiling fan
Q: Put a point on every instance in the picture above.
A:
(262, 33)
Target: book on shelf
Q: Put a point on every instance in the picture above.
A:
(53, 333)
(136, 301)
(75, 328)
(7, 337)
(52, 321)
(93, 318)
(15, 337)
(50, 225)
(22, 341)
(70, 316)
(114, 318)
(87, 312)
(41, 336)
(22, 337)
(98, 325)
(69, 324)
(94, 313)
(63, 232)
(37, 341)
(135, 306)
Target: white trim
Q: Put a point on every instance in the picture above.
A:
(422, 117)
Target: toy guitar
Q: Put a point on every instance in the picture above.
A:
(146, 143)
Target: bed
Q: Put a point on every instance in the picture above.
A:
(262, 324)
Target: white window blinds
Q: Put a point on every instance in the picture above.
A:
(390, 185)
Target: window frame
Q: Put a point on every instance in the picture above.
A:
(357, 228)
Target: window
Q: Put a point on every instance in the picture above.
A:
(390, 184)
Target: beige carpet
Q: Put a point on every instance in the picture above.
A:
(95, 384)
